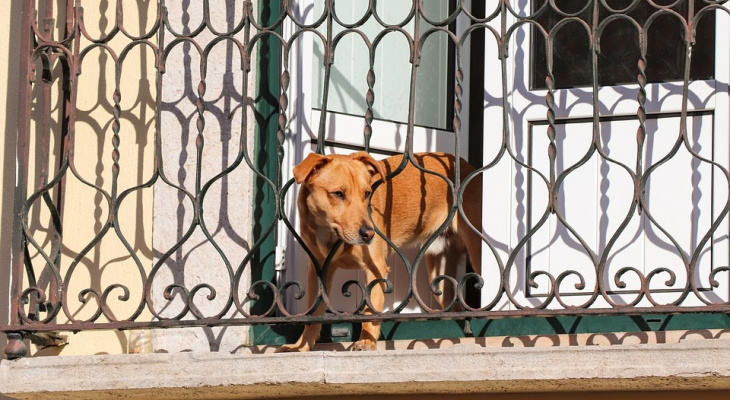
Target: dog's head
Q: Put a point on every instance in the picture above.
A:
(336, 191)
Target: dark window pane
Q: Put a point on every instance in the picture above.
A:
(620, 51)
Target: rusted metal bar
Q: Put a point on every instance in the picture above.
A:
(15, 347)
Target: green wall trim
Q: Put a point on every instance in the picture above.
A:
(265, 150)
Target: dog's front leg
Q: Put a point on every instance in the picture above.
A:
(311, 332)
(371, 330)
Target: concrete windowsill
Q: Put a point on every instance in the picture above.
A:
(462, 368)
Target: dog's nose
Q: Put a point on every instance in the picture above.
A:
(366, 234)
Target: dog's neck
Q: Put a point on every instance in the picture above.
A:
(326, 238)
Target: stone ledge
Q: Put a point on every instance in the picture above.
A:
(463, 368)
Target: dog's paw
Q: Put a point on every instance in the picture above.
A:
(293, 348)
(363, 345)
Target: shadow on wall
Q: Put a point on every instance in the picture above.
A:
(188, 252)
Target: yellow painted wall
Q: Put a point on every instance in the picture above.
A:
(107, 262)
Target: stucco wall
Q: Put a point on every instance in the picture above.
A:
(228, 210)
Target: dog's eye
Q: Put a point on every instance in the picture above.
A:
(339, 194)
(367, 194)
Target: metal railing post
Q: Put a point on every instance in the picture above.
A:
(15, 347)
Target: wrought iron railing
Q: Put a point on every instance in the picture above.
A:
(69, 123)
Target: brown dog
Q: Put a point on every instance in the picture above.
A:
(408, 209)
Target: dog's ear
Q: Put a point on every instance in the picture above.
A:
(308, 166)
(373, 166)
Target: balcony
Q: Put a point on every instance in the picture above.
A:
(154, 189)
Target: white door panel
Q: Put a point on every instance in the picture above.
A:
(684, 195)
